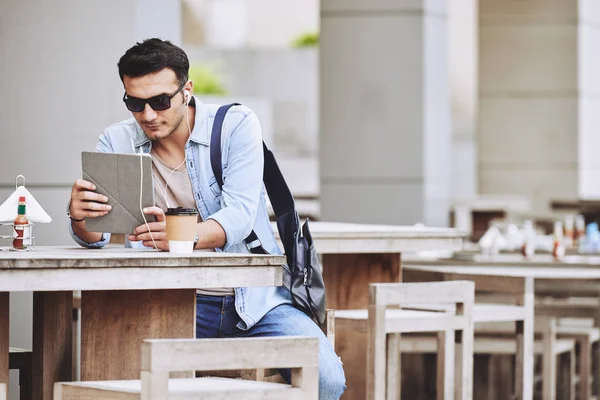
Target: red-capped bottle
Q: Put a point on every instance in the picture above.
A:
(558, 247)
(20, 225)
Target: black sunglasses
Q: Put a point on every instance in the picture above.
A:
(157, 103)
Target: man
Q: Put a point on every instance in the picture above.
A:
(174, 127)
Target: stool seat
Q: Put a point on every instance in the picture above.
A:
(204, 388)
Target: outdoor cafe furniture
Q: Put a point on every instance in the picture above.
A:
(550, 336)
(355, 255)
(589, 208)
(127, 295)
(559, 296)
(521, 313)
(161, 357)
(384, 324)
(503, 346)
(555, 279)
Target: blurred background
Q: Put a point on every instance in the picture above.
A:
(442, 112)
(446, 112)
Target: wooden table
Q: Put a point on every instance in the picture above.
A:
(546, 277)
(355, 255)
(590, 208)
(512, 260)
(556, 286)
(128, 295)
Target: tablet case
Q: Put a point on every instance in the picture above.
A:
(117, 176)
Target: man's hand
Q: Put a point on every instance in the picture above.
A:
(85, 203)
(158, 229)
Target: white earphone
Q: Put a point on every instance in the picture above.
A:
(186, 95)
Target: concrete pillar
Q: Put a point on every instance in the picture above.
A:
(384, 111)
(588, 59)
(61, 89)
(462, 58)
(539, 99)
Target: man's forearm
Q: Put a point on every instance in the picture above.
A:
(210, 235)
(83, 234)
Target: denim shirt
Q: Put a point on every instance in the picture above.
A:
(239, 208)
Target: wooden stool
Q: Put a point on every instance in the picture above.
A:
(499, 345)
(385, 324)
(22, 359)
(584, 337)
(489, 317)
(162, 356)
(518, 291)
(575, 308)
(482, 313)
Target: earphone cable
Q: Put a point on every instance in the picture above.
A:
(164, 192)
(141, 206)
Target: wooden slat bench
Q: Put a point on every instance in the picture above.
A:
(162, 356)
(498, 346)
(384, 325)
(492, 318)
(584, 337)
(419, 314)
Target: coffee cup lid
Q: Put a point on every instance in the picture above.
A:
(181, 211)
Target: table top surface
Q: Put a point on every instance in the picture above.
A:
(349, 230)
(509, 260)
(350, 238)
(564, 272)
(120, 257)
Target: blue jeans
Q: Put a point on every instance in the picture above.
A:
(216, 317)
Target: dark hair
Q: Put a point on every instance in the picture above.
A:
(154, 55)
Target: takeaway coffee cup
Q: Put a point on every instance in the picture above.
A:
(181, 229)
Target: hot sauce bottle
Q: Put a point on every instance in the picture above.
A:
(20, 226)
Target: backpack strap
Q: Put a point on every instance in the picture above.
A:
(253, 243)
(215, 142)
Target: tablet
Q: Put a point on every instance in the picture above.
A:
(118, 177)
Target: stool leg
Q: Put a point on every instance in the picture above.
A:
(464, 340)
(548, 359)
(525, 355)
(26, 379)
(491, 378)
(572, 375)
(4, 312)
(585, 368)
(596, 369)
(393, 366)
(445, 365)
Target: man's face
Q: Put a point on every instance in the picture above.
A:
(157, 124)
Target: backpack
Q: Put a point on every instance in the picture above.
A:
(303, 273)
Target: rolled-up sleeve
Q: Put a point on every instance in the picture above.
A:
(105, 147)
(96, 245)
(242, 178)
